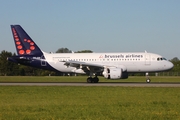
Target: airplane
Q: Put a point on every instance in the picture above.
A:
(111, 65)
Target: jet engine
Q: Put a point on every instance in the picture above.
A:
(115, 73)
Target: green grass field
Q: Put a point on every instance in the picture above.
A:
(63, 102)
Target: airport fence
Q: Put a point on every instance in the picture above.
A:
(156, 74)
(167, 74)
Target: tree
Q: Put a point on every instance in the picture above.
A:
(63, 50)
(6, 67)
(175, 59)
(176, 63)
(84, 51)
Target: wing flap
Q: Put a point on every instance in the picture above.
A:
(84, 66)
(77, 63)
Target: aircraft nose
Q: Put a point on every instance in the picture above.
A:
(170, 65)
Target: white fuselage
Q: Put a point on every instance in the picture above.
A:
(131, 62)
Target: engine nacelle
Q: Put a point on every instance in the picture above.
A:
(115, 73)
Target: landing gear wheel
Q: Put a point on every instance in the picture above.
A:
(96, 79)
(148, 80)
(92, 80)
(89, 80)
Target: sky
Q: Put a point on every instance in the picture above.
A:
(97, 25)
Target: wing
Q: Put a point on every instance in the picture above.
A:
(86, 67)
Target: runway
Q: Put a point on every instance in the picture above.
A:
(124, 84)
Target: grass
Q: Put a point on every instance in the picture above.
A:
(83, 79)
(72, 102)
(53, 102)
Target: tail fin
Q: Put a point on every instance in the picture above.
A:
(23, 43)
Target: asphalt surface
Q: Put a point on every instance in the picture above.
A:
(127, 84)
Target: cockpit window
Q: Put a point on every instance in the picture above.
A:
(160, 59)
(164, 59)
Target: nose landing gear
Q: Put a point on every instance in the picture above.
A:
(148, 80)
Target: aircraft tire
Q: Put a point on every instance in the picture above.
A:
(89, 80)
(148, 80)
(96, 79)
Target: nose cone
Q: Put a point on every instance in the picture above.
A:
(170, 65)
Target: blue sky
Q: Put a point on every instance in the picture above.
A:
(97, 25)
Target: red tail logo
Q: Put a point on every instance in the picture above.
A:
(22, 50)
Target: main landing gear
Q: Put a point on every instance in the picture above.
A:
(93, 79)
(148, 80)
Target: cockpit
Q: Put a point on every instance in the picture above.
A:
(161, 58)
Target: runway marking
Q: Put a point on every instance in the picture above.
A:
(95, 84)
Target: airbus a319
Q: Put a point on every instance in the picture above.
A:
(110, 65)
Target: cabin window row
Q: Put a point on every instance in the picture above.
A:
(99, 59)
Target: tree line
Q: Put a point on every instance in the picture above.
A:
(8, 68)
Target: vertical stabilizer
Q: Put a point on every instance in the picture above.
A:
(23, 43)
